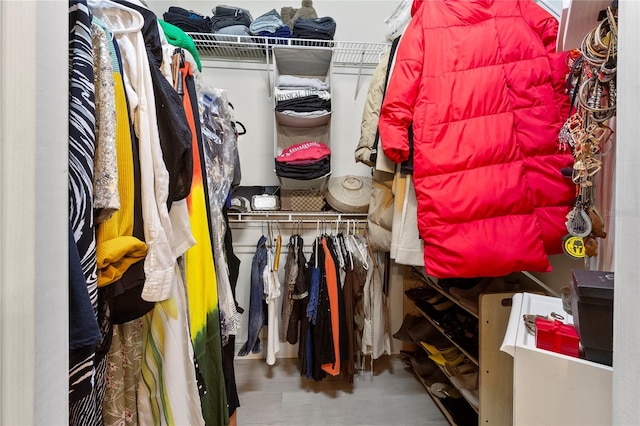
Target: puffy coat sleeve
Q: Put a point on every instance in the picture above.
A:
(396, 113)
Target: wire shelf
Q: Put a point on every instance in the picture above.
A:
(251, 48)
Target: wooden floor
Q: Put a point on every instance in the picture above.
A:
(278, 395)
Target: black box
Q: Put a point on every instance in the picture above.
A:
(592, 304)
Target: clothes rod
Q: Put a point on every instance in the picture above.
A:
(302, 217)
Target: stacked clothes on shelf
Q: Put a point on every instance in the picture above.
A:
(304, 161)
(301, 99)
(302, 96)
(270, 24)
(231, 20)
(319, 28)
(187, 21)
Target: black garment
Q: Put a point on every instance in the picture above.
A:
(84, 332)
(307, 172)
(231, 11)
(220, 22)
(228, 350)
(304, 104)
(322, 331)
(173, 128)
(300, 298)
(187, 24)
(226, 16)
(318, 28)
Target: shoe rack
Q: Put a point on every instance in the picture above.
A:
(491, 403)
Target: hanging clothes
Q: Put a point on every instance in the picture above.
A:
(257, 308)
(106, 197)
(353, 291)
(272, 294)
(228, 350)
(332, 285)
(86, 372)
(300, 296)
(204, 314)
(290, 277)
(219, 146)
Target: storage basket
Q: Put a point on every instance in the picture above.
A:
(304, 200)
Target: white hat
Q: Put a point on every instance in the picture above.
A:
(349, 194)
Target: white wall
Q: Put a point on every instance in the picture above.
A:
(33, 213)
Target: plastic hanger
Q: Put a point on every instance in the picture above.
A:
(119, 18)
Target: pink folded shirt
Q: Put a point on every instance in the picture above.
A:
(304, 153)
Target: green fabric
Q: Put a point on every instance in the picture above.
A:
(179, 38)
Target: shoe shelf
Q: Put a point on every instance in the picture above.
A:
(495, 377)
(466, 353)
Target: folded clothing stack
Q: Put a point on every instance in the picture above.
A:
(318, 28)
(267, 24)
(187, 21)
(230, 16)
(304, 161)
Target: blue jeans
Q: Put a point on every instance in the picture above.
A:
(256, 300)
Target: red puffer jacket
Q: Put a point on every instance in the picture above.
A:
(484, 89)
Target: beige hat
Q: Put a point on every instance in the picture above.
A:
(349, 194)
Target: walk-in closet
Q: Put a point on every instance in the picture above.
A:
(318, 212)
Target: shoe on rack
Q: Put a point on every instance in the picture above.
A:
(461, 283)
(470, 293)
(408, 322)
(436, 311)
(406, 357)
(445, 390)
(446, 351)
(423, 366)
(423, 330)
(472, 302)
(471, 395)
(437, 377)
(463, 376)
(421, 293)
(453, 360)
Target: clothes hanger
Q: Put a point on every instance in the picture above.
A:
(119, 18)
(278, 240)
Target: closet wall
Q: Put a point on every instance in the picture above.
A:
(248, 87)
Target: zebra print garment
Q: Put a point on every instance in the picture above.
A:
(84, 409)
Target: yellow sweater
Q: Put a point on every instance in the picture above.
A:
(116, 248)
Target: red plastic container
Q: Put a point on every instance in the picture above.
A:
(557, 336)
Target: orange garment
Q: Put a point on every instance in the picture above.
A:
(332, 289)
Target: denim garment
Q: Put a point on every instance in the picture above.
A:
(270, 22)
(256, 300)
